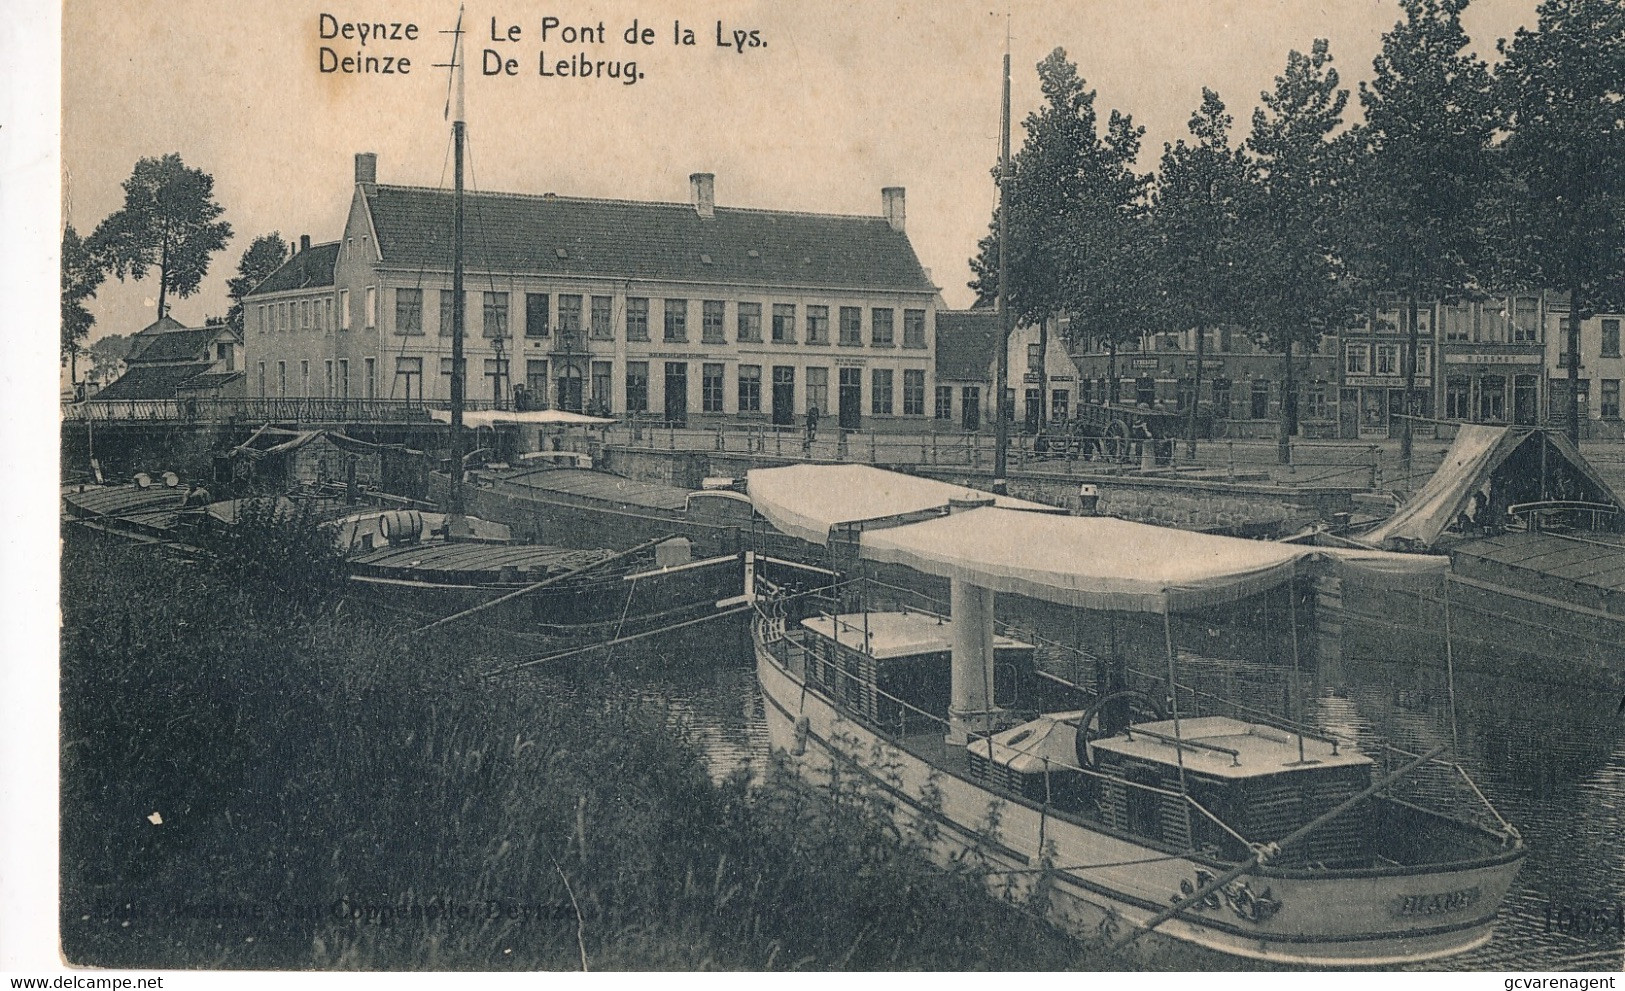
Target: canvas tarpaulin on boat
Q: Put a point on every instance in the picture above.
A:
(1511, 464)
(807, 501)
(1426, 515)
(1105, 563)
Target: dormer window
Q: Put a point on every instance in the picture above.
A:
(561, 252)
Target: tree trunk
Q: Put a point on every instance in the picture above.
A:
(1111, 371)
(163, 271)
(1283, 450)
(1409, 364)
(1196, 395)
(1572, 345)
(1043, 372)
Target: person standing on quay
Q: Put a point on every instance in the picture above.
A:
(812, 426)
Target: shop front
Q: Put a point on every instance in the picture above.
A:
(1492, 387)
(1379, 400)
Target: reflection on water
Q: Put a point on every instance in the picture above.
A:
(1550, 759)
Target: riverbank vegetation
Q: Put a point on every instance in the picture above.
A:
(259, 774)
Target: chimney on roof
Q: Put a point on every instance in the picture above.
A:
(366, 166)
(304, 243)
(704, 187)
(891, 200)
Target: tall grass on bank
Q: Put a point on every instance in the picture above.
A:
(256, 774)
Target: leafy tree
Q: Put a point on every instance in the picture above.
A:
(1046, 181)
(1423, 166)
(1112, 281)
(81, 277)
(1560, 89)
(106, 353)
(1076, 206)
(1203, 246)
(169, 222)
(1296, 283)
(263, 257)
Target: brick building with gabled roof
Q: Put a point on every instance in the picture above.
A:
(685, 312)
(967, 346)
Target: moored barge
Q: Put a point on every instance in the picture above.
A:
(1119, 815)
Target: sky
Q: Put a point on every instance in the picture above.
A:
(841, 99)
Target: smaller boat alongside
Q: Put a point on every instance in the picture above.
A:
(1536, 539)
(438, 566)
(145, 510)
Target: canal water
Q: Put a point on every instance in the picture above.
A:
(1551, 760)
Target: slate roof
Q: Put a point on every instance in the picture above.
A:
(309, 269)
(173, 345)
(620, 239)
(967, 344)
(151, 381)
(162, 325)
(210, 380)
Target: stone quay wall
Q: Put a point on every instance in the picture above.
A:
(1193, 504)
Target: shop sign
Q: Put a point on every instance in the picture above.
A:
(1208, 364)
(1030, 377)
(1063, 378)
(851, 362)
(1492, 359)
(1150, 363)
(1384, 381)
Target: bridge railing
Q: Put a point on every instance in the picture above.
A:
(266, 410)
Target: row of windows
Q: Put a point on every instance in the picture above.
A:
(1490, 322)
(1609, 394)
(1215, 340)
(748, 387)
(295, 316)
(1609, 343)
(749, 391)
(336, 382)
(315, 315)
(1383, 358)
(573, 314)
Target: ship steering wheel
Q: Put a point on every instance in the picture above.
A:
(1088, 731)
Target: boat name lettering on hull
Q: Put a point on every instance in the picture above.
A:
(1443, 903)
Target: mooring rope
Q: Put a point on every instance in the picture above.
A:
(611, 643)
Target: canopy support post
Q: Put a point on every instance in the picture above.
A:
(1173, 704)
(970, 706)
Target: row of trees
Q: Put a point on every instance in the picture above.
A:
(1457, 178)
(170, 227)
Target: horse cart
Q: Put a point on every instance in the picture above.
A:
(1118, 433)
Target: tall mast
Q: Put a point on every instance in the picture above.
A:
(458, 303)
(1001, 429)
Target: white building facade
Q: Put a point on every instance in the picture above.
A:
(682, 313)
